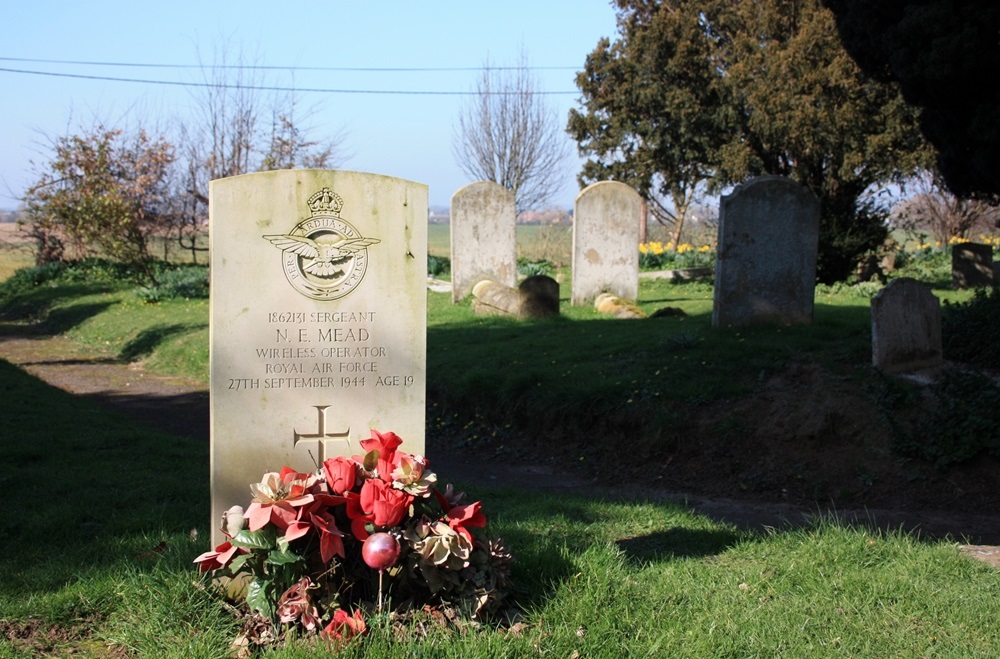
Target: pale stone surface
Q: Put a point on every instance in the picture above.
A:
(906, 327)
(535, 297)
(765, 267)
(971, 265)
(483, 237)
(606, 220)
(614, 306)
(318, 320)
(491, 298)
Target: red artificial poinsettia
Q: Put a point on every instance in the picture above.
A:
(330, 537)
(287, 543)
(461, 517)
(305, 515)
(343, 626)
(219, 558)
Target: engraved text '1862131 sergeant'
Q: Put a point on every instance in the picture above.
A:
(324, 257)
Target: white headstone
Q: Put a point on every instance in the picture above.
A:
(483, 237)
(606, 218)
(318, 321)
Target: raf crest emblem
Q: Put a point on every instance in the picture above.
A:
(324, 257)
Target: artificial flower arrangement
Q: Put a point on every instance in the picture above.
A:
(317, 551)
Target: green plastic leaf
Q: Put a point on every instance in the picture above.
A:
(261, 539)
(371, 460)
(260, 597)
(238, 562)
(283, 543)
(282, 557)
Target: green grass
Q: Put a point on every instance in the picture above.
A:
(99, 546)
(99, 539)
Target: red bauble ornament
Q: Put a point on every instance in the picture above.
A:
(380, 551)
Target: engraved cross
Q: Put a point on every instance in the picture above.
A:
(321, 436)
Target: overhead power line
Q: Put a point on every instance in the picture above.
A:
(374, 69)
(223, 85)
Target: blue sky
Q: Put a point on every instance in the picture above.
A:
(409, 136)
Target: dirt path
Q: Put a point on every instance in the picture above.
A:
(181, 406)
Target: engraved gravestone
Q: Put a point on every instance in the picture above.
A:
(318, 321)
(906, 327)
(606, 217)
(971, 265)
(483, 237)
(765, 267)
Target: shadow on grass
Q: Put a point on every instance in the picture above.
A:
(62, 319)
(37, 303)
(70, 453)
(146, 342)
(678, 542)
(183, 414)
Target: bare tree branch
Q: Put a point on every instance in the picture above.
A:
(507, 134)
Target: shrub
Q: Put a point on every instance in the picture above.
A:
(962, 421)
(532, 268)
(927, 265)
(970, 331)
(438, 265)
(96, 270)
(188, 283)
(26, 279)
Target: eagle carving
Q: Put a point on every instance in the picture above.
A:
(326, 258)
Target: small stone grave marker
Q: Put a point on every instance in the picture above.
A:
(606, 218)
(538, 296)
(483, 237)
(971, 265)
(906, 327)
(765, 267)
(318, 321)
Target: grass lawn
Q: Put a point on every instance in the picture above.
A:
(110, 513)
(101, 556)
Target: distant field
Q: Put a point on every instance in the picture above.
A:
(15, 249)
(534, 242)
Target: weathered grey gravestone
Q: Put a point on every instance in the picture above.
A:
(483, 237)
(318, 321)
(606, 219)
(971, 265)
(906, 327)
(765, 267)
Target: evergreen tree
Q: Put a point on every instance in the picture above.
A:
(713, 91)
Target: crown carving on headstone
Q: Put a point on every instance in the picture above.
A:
(325, 202)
